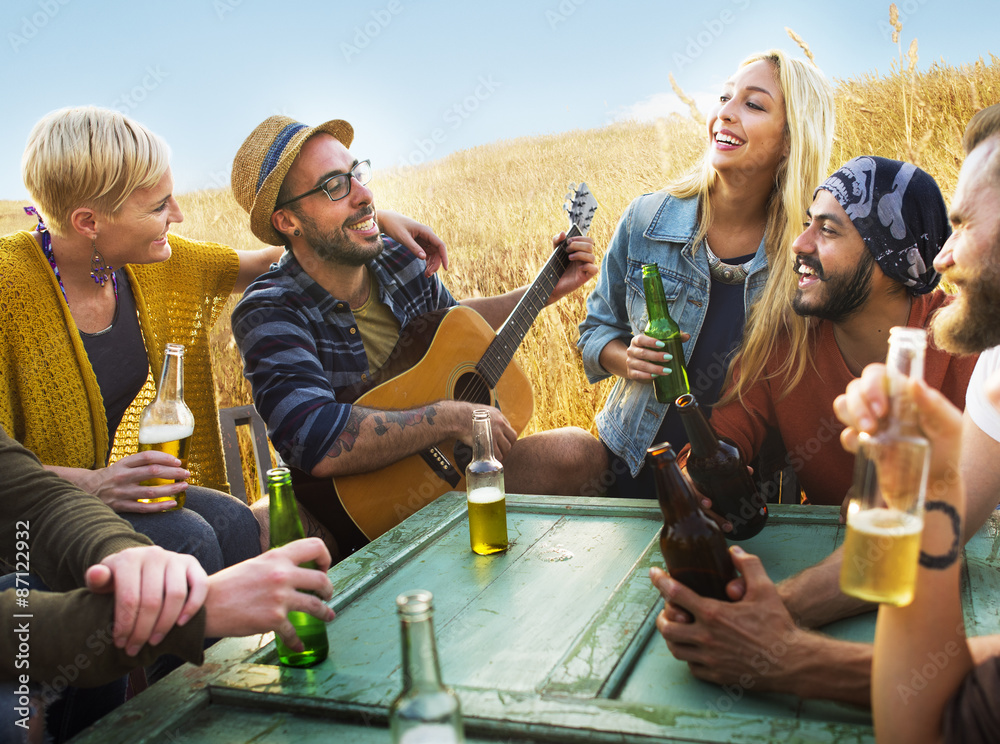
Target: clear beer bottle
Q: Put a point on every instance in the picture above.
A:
(285, 528)
(663, 328)
(166, 424)
(716, 468)
(426, 711)
(885, 513)
(693, 547)
(486, 495)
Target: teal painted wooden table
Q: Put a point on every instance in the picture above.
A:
(552, 641)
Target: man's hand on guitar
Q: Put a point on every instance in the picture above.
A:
(504, 435)
(582, 265)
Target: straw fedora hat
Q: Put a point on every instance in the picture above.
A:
(263, 161)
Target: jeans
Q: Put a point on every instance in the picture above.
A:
(216, 528)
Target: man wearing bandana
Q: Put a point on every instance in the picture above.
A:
(864, 264)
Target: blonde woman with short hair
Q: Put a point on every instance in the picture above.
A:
(91, 297)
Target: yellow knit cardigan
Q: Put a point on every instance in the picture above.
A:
(49, 397)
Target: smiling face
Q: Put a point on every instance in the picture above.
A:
(747, 127)
(835, 267)
(343, 231)
(970, 260)
(137, 233)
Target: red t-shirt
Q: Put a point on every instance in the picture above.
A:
(805, 417)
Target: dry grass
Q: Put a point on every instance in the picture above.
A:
(497, 206)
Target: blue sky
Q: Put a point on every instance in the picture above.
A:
(421, 79)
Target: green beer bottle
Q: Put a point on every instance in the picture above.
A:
(663, 328)
(286, 527)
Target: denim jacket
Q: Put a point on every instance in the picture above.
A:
(656, 228)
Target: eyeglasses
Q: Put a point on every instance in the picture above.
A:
(339, 186)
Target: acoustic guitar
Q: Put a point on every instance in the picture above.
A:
(448, 354)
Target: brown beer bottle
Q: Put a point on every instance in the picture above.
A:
(694, 549)
(716, 468)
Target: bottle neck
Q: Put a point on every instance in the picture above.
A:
(676, 498)
(656, 298)
(904, 363)
(700, 433)
(482, 439)
(420, 660)
(283, 513)
(171, 385)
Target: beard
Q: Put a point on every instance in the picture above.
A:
(845, 294)
(339, 246)
(971, 323)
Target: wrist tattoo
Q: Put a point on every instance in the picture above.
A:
(940, 562)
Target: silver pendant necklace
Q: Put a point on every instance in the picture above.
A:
(723, 272)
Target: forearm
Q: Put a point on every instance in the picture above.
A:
(253, 264)
(80, 477)
(613, 358)
(495, 310)
(375, 438)
(825, 668)
(74, 631)
(927, 634)
(813, 596)
(65, 529)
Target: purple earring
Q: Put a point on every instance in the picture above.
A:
(99, 271)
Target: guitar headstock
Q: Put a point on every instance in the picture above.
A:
(580, 205)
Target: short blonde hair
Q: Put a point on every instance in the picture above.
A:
(89, 157)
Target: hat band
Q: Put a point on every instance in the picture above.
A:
(273, 154)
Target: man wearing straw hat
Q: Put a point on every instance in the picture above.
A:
(331, 311)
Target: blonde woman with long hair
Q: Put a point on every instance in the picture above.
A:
(713, 234)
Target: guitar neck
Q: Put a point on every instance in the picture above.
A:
(501, 351)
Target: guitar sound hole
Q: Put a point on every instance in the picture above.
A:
(472, 388)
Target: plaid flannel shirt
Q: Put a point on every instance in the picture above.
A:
(301, 347)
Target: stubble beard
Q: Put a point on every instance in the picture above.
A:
(338, 246)
(845, 295)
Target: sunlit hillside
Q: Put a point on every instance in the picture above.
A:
(497, 206)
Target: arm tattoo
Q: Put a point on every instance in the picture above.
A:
(384, 420)
(940, 562)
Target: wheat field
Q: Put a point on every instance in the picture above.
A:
(497, 206)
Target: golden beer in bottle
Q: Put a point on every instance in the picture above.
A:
(486, 497)
(283, 513)
(885, 514)
(166, 424)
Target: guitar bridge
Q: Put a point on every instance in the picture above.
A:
(441, 467)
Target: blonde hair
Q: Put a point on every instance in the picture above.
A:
(89, 157)
(809, 126)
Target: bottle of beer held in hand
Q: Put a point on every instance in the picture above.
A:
(663, 328)
(167, 423)
(285, 528)
(885, 516)
(716, 468)
(487, 498)
(694, 549)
